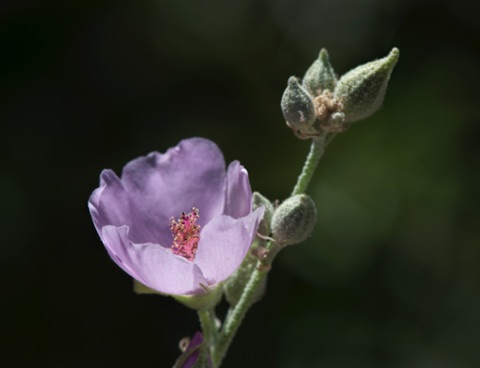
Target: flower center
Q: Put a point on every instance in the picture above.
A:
(186, 234)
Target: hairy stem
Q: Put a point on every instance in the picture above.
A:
(209, 330)
(317, 149)
(235, 316)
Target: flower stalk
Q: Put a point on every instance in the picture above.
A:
(317, 149)
(207, 322)
(236, 315)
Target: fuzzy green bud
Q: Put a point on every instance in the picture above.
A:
(320, 76)
(258, 201)
(362, 89)
(294, 219)
(298, 108)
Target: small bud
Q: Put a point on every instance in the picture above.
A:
(298, 107)
(294, 219)
(362, 89)
(320, 76)
(258, 201)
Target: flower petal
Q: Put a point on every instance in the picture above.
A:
(192, 174)
(151, 264)
(110, 204)
(224, 242)
(238, 201)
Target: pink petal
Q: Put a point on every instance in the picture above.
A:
(192, 174)
(152, 265)
(238, 200)
(224, 243)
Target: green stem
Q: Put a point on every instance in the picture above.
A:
(209, 331)
(213, 324)
(317, 149)
(235, 316)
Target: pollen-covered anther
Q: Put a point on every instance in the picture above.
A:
(186, 234)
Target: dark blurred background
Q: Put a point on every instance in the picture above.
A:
(391, 277)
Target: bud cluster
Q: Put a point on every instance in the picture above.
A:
(321, 103)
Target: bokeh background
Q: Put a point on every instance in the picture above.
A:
(391, 277)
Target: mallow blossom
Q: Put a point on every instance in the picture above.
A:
(177, 222)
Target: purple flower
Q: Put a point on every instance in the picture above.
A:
(194, 343)
(177, 221)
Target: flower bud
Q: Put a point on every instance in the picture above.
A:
(258, 201)
(362, 89)
(298, 107)
(194, 353)
(320, 76)
(294, 219)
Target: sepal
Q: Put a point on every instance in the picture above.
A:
(139, 288)
(320, 76)
(265, 225)
(362, 89)
(208, 299)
